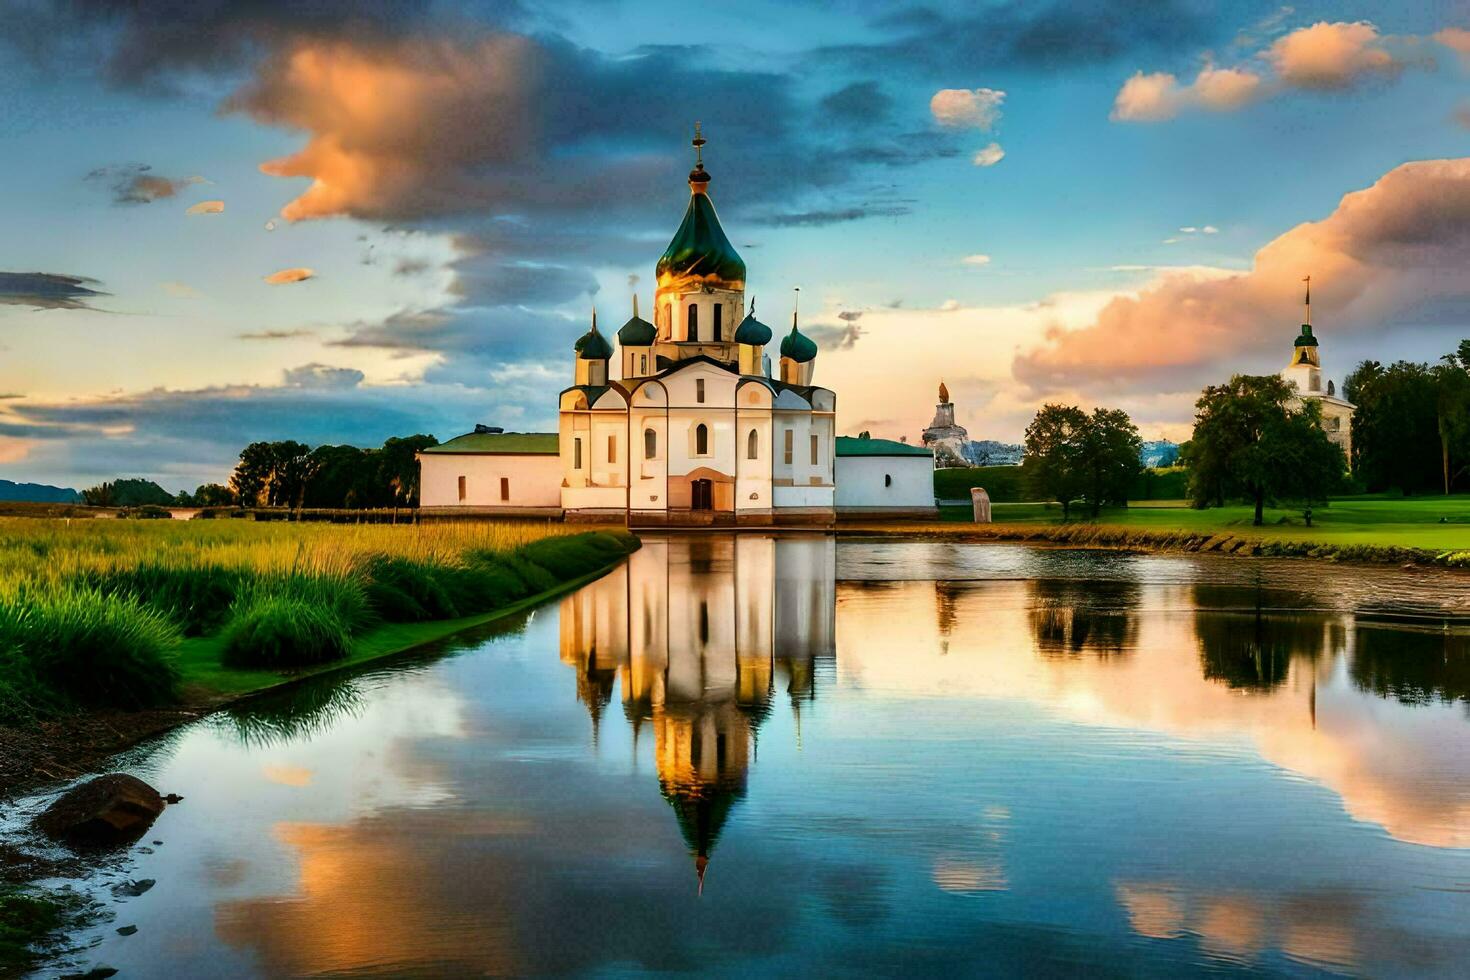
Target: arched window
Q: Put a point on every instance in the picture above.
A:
(699, 389)
(888, 479)
(752, 446)
(701, 440)
(650, 444)
(717, 327)
(693, 322)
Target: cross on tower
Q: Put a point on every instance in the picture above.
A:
(698, 143)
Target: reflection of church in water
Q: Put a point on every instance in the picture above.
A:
(700, 635)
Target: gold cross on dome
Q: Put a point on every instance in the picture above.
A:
(698, 143)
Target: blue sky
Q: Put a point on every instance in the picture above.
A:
(484, 173)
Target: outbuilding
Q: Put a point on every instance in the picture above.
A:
(489, 471)
(883, 478)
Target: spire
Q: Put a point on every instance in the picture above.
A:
(635, 306)
(700, 863)
(698, 177)
(1308, 321)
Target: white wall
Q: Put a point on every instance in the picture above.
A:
(860, 481)
(535, 481)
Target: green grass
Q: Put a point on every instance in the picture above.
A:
(1432, 524)
(31, 925)
(93, 614)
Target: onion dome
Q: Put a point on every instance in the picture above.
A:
(1306, 339)
(700, 249)
(797, 345)
(751, 331)
(637, 332)
(593, 346)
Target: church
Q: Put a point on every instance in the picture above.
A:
(1305, 371)
(701, 417)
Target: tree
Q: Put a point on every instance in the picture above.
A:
(1053, 451)
(1109, 458)
(128, 493)
(213, 495)
(398, 467)
(271, 474)
(343, 476)
(1255, 437)
(1411, 427)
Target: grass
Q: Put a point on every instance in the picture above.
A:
(96, 614)
(31, 925)
(1364, 527)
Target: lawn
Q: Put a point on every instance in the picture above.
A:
(128, 615)
(1427, 523)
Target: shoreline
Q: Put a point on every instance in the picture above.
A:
(65, 748)
(1115, 537)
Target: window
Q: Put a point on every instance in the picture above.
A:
(505, 488)
(577, 453)
(701, 440)
(612, 449)
(815, 442)
(752, 445)
(668, 315)
(699, 390)
(790, 438)
(887, 480)
(461, 489)
(650, 444)
(693, 322)
(718, 310)
(642, 365)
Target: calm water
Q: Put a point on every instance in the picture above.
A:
(794, 756)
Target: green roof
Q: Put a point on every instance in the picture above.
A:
(700, 248)
(798, 346)
(751, 331)
(637, 332)
(858, 446)
(593, 346)
(1305, 339)
(502, 444)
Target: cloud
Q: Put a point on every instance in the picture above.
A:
(275, 335)
(833, 337)
(47, 290)
(1158, 96)
(988, 156)
(1390, 254)
(289, 275)
(1322, 57)
(135, 183)
(207, 207)
(861, 103)
(963, 108)
(321, 376)
(977, 259)
(830, 216)
(1457, 39)
(1329, 56)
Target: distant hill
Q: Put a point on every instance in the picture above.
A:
(39, 493)
(988, 452)
(1159, 452)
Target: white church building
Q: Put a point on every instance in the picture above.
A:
(697, 428)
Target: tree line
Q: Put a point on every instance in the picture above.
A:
(1411, 427)
(287, 473)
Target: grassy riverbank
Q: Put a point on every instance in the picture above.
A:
(1373, 529)
(106, 617)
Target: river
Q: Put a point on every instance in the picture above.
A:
(794, 755)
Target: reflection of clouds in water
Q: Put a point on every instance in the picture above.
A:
(1407, 771)
(963, 876)
(297, 776)
(1324, 928)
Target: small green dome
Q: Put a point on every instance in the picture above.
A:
(798, 346)
(700, 248)
(752, 331)
(637, 332)
(1306, 339)
(593, 346)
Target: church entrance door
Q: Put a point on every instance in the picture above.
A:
(702, 495)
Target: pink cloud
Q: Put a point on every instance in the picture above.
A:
(1400, 244)
(1330, 56)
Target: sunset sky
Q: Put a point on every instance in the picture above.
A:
(338, 221)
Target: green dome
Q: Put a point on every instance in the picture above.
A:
(700, 248)
(798, 346)
(752, 331)
(593, 346)
(1306, 339)
(637, 332)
